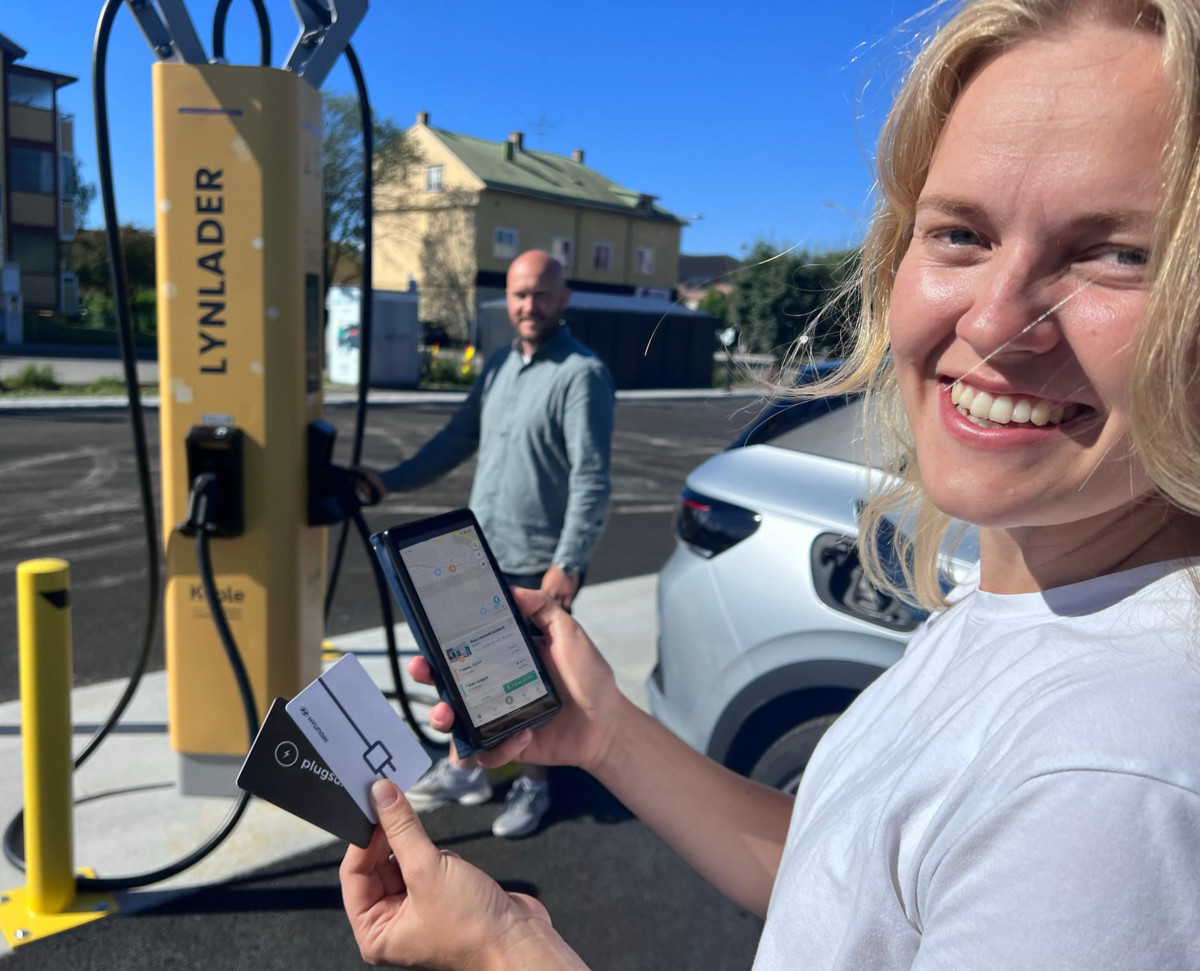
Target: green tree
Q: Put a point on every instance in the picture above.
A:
(715, 302)
(342, 147)
(781, 294)
(91, 260)
(81, 192)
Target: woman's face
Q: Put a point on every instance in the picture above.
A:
(1015, 306)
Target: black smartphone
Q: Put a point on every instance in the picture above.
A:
(463, 617)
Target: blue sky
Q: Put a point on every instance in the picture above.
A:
(750, 120)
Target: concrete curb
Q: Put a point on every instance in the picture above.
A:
(341, 399)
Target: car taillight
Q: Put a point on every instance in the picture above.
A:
(710, 526)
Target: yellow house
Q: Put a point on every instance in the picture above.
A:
(36, 183)
(458, 219)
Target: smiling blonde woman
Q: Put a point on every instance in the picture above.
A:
(1022, 788)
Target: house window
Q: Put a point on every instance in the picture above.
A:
(31, 92)
(31, 169)
(643, 262)
(504, 243)
(563, 250)
(602, 256)
(35, 252)
(433, 178)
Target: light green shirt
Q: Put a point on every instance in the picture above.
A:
(543, 430)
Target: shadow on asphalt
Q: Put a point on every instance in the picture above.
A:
(615, 892)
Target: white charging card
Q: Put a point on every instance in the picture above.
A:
(357, 733)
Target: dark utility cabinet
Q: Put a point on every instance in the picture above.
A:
(646, 343)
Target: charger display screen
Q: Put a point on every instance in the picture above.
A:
(480, 639)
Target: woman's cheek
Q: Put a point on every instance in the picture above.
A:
(927, 303)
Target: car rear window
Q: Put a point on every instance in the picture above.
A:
(816, 428)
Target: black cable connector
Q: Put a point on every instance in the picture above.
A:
(202, 501)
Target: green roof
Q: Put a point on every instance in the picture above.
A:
(547, 176)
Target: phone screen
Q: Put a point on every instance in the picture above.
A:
(482, 642)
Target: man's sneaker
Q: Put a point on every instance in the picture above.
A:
(446, 782)
(527, 802)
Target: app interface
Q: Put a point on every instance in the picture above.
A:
(480, 638)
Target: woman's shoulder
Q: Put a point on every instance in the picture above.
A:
(1111, 688)
(1130, 712)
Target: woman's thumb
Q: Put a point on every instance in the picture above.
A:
(403, 829)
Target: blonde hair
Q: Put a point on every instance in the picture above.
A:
(1165, 393)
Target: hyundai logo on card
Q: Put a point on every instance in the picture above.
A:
(286, 754)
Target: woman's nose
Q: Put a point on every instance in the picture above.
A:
(1010, 312)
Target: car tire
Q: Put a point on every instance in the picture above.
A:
(782, 764)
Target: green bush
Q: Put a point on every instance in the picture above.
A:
(449, 371)
(91, 329)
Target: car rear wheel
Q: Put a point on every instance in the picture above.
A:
(782, 765)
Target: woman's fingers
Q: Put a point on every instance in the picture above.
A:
(413, 850)
(369, 875)
(419, 668)
(538, 606)
(510, 750)
(441, 717)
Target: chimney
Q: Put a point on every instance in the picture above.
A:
(422, 117)
(506, 150)
(577, 155)
(517, 140)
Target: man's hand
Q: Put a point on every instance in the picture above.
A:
(374, 479)
(559, 587)
(415, 906)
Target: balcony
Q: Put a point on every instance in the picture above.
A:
(33, 209)
(31, 124)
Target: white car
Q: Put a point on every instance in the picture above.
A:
(767, 629)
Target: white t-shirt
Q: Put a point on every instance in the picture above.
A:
(1020, 791)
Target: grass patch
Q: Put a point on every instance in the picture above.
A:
(33, 377)
(110, 385)
(35, 381)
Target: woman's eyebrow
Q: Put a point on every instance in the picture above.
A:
(949, 206)
(1109, 220)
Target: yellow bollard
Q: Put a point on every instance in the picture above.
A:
(48, 902)
(44, 616)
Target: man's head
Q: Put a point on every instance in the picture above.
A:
(537, 296)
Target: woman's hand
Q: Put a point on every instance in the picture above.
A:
(580, 733)
(415, 906)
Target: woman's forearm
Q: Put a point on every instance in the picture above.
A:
(729, 829)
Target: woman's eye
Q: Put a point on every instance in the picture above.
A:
(1129, 256)
(954, 236)
(960, 237)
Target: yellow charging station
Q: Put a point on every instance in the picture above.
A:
(239, 230)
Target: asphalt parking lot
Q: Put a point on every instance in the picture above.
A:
(617, 894)
(68, 488)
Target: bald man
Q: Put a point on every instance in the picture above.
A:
(541, 417)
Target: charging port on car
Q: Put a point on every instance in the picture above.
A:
(841, 583)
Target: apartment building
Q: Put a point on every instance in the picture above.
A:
(451, 229)
(37, 191)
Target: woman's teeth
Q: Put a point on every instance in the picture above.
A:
(989, 410)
